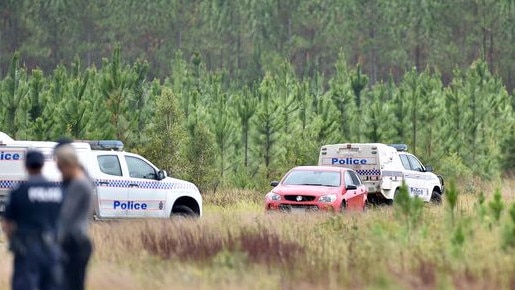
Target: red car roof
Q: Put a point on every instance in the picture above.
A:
(321, 168)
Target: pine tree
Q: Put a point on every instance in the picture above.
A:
(15, 88)
(268, 124)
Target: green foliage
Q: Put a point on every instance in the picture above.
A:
(451, 195)
(508, 241)
(200, 156)
(254, 132)
(408, 210)
(167, 136)
(496, 206)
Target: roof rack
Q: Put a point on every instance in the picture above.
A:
(114, 145)
(400, 147)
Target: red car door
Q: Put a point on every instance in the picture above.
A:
(355, 194)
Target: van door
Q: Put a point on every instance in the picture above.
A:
(414, 177)
(112, 188)
(146, 193)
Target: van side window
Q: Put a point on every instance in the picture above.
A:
(405, 161)
(139, 168)
(415, 164)
(355, 178)
(109, 164)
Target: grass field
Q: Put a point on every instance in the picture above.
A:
(237, 246)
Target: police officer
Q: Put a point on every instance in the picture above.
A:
(30, 223)
(74, 217)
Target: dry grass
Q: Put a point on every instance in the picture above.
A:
(240, 247)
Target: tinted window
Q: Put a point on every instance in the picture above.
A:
(109, 164)
(307, 177)
(415, 164)
(355, 179)
(348, 179)
(139, 168)
(405, 162)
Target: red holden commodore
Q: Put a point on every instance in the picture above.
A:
(313, 188)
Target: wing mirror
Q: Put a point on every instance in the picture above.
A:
(429, 168)
(274, 183)
(161, 174)
(351, 187)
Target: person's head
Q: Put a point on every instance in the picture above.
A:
(34, 161)
(67, 161)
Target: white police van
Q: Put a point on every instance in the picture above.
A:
(127, 185)
(383, 168)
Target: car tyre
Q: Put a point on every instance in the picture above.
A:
(343, 205)
(436, 198)
(391, 201)
(182, 211)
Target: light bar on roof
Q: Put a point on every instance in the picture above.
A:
(400, 147)
(115, 145)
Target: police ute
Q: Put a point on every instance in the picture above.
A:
(127, 185)
(383, 169)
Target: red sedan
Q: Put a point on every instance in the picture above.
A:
(313, 188)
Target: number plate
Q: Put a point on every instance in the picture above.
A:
(298, 210)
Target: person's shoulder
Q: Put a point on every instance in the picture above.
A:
(82, 183)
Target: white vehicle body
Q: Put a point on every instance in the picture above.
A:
(383, 169)
(127, 185)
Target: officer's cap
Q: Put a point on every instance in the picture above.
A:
(34, 159)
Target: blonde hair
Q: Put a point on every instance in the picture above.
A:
(66, 154)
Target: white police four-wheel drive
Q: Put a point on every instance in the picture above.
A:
(127, 185)
(383, 168)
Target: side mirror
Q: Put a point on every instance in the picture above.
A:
(429, 168)
(161, 174)
(351, 187)
(274, 183)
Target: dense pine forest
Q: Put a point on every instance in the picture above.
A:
(232, 93)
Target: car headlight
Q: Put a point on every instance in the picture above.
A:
(273, 196)
(327, 198)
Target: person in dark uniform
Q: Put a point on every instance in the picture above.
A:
(74, 217)
(30, 223)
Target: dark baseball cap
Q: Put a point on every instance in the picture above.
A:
(34, 159)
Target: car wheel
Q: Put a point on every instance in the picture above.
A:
(182, 211)
(390, 201)
(343, 206)
(436, 197)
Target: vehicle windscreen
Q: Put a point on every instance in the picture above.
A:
(316, 178)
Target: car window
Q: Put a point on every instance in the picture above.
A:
(308, 177)
(138, 168)
(405, 161)
(348, 179)
(415, 164)
(355, 179)
(109, 164)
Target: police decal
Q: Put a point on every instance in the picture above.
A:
(45, 194)
(129, 205)
(417, 191)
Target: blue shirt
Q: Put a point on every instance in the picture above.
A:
(34, 206)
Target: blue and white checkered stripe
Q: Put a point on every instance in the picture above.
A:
(9, 183)
(369, 172)
(143, 184)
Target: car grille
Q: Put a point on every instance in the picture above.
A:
(296, 198)
(289, 208)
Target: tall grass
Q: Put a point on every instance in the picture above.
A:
(240, 247)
